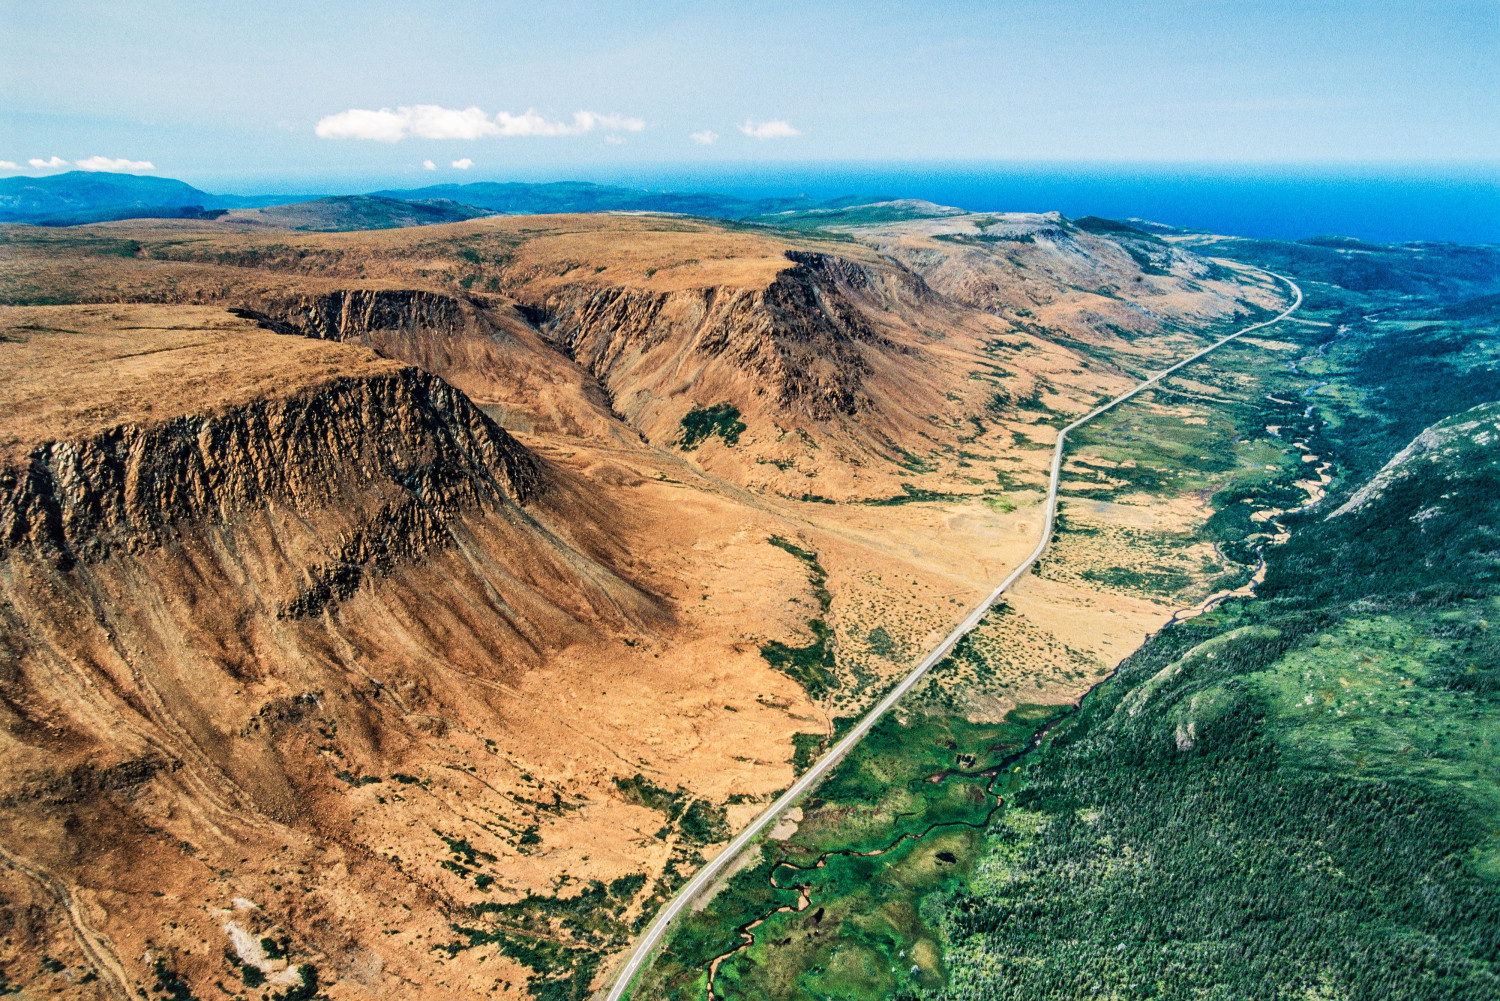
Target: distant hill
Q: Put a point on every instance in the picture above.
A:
(91, 196)
(82, 196)
(1453, 272)
(356, 212)
(1485, 308)
(862, 214)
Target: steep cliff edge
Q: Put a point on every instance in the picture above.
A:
(334, 442)
(829, 362)
(856, 362)
(799, 338)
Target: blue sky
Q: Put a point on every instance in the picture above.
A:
(231, 95)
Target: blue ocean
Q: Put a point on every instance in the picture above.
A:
(1384, 204)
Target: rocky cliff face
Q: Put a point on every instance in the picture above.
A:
(802, 345)
(801, 340)
(365, 316)
(485, 347)
(128, 487)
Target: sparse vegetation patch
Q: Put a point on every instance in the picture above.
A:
(722, 420)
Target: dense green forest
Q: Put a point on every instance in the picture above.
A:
(1294, 795)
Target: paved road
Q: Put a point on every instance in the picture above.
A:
(706, 875)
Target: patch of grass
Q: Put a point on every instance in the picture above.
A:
(702, 423)
(816, 575)
(562, 940)
(643, 792)
(1165, 582)
(464, 852)
(698, 820)
(169, 984)
(865, 927)
(912, 462)
(882, 644)
(915, 495)
(306, 990)
(704, 823)
(812, 665)
(806, 747)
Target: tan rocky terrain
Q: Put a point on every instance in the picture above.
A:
(404, 613)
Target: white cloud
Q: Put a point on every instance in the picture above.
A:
(429, 121)
(587, 121)
(428, 165)
(8, 165)
(432, 121)
(119, 164)
(773, 129)
(384, 125)
(705, 138)
(614, 140)
(528, 123)
(463, 164)
(51, 164)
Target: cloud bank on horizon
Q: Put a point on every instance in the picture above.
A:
(433, 121)
(119, 165)
(113, 164)
(773, 129)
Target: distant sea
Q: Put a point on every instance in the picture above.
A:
(1384, 204)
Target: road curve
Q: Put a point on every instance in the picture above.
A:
(658, 929)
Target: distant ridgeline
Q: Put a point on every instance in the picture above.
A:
(1296, 795)
(80, 197)
(91, 196)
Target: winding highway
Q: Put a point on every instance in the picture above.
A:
(659, 927)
